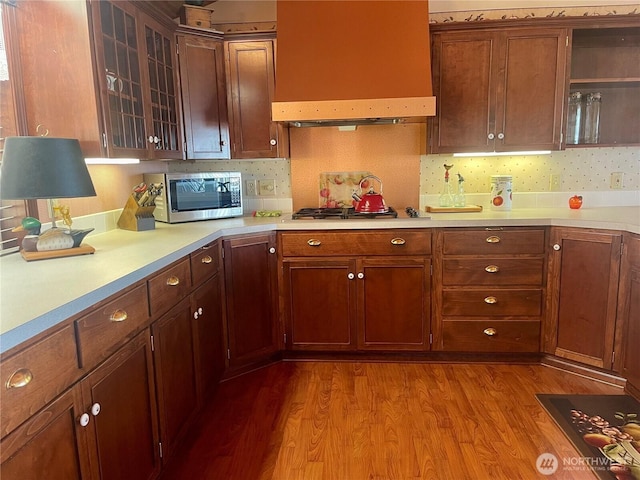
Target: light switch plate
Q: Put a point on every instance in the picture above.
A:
(251, 188)
(267, 187)
(617, 180)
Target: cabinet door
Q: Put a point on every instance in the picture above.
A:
(629, 313)
(464, 70)
(204, 98)
(251, 295)
(320, 304)
(50, 445)
(125, 431)
(175, 373)
(119, 52)
(251, 82)
(208, 335)
(163, 118)
(531, 90)
(584, 270)
(393, 303)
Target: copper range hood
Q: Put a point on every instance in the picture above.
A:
(352, 62)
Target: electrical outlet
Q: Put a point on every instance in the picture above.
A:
(555, 180)
(617, 180)
(251, 188)
(267, 187)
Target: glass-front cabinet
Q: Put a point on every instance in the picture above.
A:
(135, 55)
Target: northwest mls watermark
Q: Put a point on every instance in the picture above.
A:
(548, 464)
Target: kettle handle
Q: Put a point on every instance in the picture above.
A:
(370, 176)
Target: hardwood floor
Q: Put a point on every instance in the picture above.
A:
(381, 421)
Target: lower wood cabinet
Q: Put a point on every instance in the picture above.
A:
(51, 444)
(250, 269)
(175, 373)
(337, 299)
(584, 269)
(120, 400)
(629, 314)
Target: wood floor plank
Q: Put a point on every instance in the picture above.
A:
(381, 421)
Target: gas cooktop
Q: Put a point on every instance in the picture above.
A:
(336, 213)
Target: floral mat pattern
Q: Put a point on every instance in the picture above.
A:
(605, 429)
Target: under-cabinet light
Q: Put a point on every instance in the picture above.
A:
(502, 154)
(111, 161)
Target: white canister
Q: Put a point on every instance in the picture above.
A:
(501, 192)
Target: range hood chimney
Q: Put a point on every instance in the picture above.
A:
(352, 62)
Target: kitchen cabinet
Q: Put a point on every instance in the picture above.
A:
(250, 86)
(356, 291)
(50, 445)
(489, 289)
(584, 270)
(120, 400)
(136, 61)
(208, 319)
(204, 98)
(175, 373)
(250, 270)
(629, 313)
(604, 59)
(487, 82)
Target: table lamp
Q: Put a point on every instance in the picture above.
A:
(47, 168)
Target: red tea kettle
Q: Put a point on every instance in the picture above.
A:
(370, 202)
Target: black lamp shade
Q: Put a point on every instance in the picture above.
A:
(44, 167)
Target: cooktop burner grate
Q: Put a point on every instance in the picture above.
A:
(334, 213)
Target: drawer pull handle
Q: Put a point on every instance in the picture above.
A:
(490, 332)
(20, 378)
(493, 239)
(207, 259)
(312, 242)
(490, 300)
(398, 241)
(118, 316)
(491, 269)
(173, 281)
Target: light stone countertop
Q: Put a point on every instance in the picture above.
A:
(35, 296)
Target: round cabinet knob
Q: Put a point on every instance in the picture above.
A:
(501, 136)
(361, 275)
(351, 276)
(556, 247)
(84, 420)
(272, 250)
(195, 315)
(156, 140)
(95, 409)
(199, 310)
(490, 332)
(150, 138)
(491, 136)
(272, 142)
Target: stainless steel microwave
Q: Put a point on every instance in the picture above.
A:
(189, 197)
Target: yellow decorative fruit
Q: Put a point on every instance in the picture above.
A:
(632, 429)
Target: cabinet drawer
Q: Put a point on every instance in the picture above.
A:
(493, 271)
(101, 332)
(204, 263)
(169, 287)
(490, 336)
(490, 242)
(491, 302)
(35, 376)
(372, 242)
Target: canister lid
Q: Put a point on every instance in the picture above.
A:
(501, 177)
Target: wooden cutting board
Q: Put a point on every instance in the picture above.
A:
(83, 249)
(467, 208)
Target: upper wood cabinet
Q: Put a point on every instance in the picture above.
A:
(250, 89)
(607, 61)
(498, 89)
(137, 75)
(204, 98)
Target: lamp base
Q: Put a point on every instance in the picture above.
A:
(83, 249)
